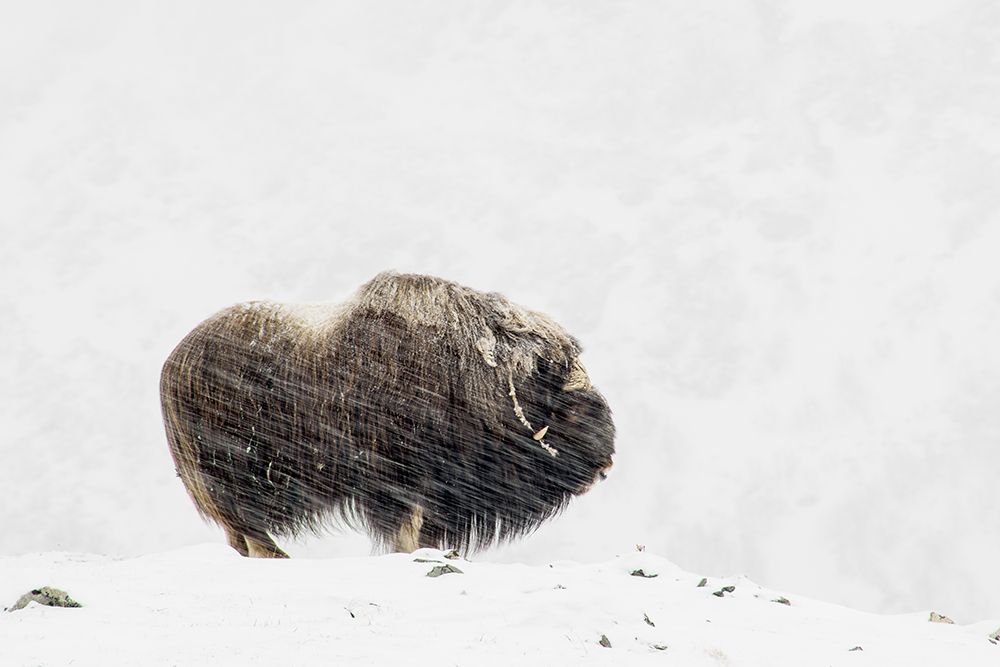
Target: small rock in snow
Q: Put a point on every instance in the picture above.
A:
(783, 600)
(702, 583)
(939, 618)
(722, 591)
(444, 569)
(604, 641)
(641, 573)
(50, 597)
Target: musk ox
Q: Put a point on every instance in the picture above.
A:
(425, 412)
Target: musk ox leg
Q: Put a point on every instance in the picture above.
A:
(253, 544)
(262, 546)
(237, 541)
(408, 538)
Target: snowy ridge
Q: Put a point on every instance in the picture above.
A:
(206, 605)
(773, 226)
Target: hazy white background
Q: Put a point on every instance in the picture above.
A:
(774, 226)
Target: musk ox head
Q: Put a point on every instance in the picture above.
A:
(427, 413)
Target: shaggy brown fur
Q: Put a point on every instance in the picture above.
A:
(425, 412)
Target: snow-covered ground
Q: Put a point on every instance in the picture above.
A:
(205, 605)
(774, 225)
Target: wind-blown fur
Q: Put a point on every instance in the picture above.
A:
(427, 413)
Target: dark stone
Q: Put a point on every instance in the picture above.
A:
(50, 597)
(725, 589)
